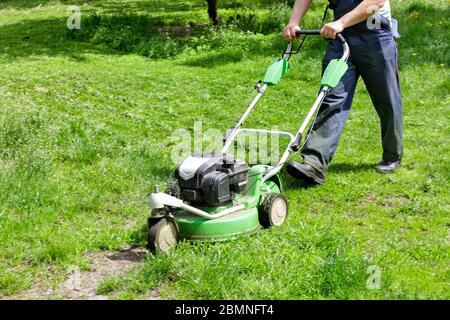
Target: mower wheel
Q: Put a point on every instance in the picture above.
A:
(162, 236)
(273, 210)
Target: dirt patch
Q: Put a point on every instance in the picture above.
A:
(175, 31)
(396, 200)
(155, 295)
(82, 285)
(369, 199)
(181, 31)
(389, 201)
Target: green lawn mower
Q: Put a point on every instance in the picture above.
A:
(215, 196)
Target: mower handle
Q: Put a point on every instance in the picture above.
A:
(295, 145)
(316, 32)
(312, 32)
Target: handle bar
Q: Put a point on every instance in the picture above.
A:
(316, 32)
(346, 52)
(312, 32)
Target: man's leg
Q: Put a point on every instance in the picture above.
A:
(380, 74)
(323, 139)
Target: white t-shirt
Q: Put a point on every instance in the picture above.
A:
(385, 10)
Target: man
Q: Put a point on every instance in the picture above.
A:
(373, 56)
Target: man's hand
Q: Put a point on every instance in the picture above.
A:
(289, 32)
(330, 30)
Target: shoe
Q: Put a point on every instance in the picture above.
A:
(306, 172)
(387, 166)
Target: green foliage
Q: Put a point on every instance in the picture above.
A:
(251, 20)
(135, 32)
(11, 282)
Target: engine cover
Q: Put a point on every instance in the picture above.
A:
(211, 179)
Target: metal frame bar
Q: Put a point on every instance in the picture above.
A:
(283, 158)
(244, 117)
(159, 200)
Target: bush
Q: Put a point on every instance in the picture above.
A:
(248, 20)
(142, 34)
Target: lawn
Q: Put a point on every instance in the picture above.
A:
(86, 128)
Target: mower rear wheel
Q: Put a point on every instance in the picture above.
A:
(162, 236)
(273, 211)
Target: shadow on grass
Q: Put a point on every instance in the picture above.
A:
(149, 6)
(293, 183)
(351, 167)
(22, 4)
(139, 236)
(424, 33)
(215, 59)
(43, 38)
(254, 49)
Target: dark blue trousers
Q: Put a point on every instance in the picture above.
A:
(373, 56)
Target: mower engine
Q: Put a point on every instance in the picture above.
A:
(211, 180)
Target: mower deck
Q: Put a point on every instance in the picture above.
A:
(192, 227)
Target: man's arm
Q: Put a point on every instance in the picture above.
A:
(363, 11)
(298, 12)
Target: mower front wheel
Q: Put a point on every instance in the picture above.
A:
(273, 210)
(162, 235)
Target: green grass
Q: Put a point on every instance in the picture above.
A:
(85, 130)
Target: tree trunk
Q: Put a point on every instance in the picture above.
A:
(212, 11)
